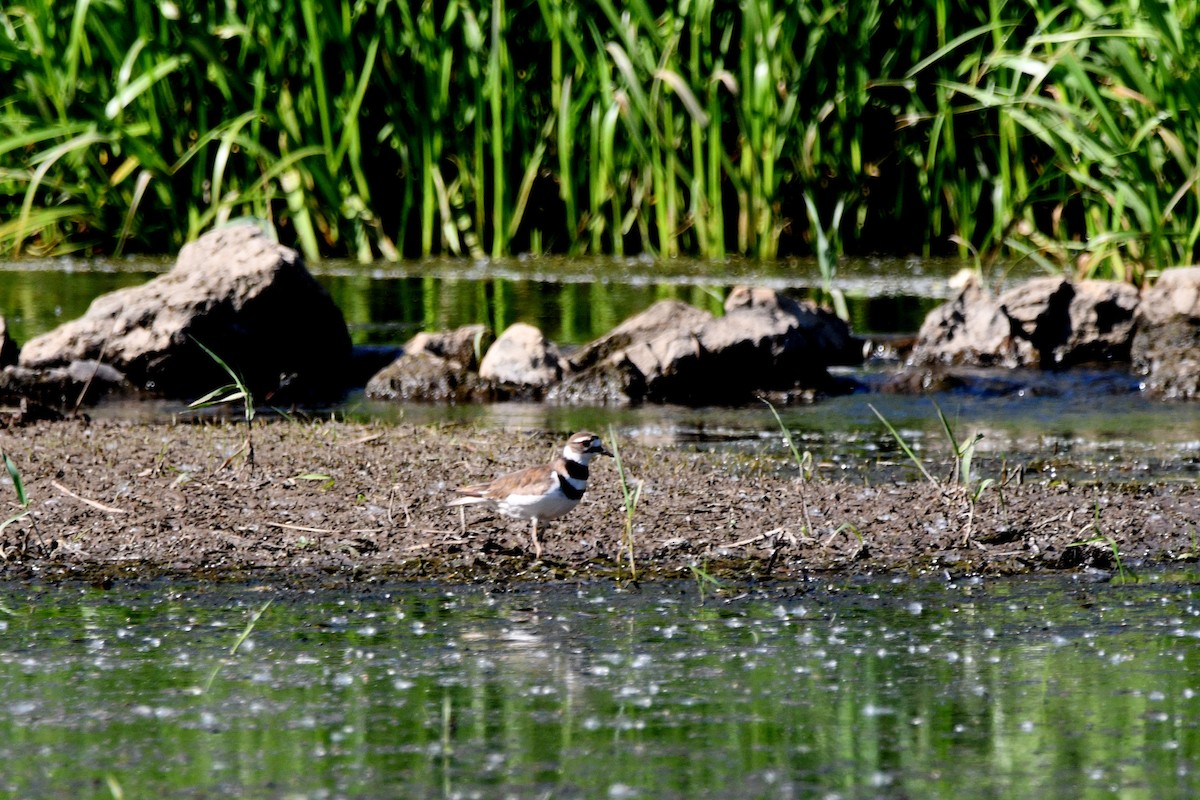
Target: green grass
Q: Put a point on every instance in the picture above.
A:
(903, 445)
(236, 391)
(631, 492)
(1064, 133)
(962, 454)
(804, 463)
(705, 582)
(1101, 539)
(14, 474)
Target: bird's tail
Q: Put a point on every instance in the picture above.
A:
(468, 500)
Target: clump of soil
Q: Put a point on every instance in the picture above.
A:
(110, 500)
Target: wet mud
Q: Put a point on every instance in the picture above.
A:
(329, 501)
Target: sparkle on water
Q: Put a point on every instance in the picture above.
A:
(964, 689)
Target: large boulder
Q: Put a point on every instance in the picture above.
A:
(1166, 347)
(236, 291)
(461, 345)
(806, 324)
(663, 319)
(971, 329)
(1044, 322)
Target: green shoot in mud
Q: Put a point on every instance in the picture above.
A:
(803, 463)
(961, 478)
(325, 481)
(804, 460)
(237, 643)
(1102, 539)
(962, 452)
(705, 581)
(232, 392)
(22, 500)
(908, 451)
(855, 532)
(19, 487)
(630, 493)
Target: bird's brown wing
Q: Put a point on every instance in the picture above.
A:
(532, 480)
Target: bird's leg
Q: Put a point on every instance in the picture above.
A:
(537, 546)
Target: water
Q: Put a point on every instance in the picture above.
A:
(897, 689)
(843, 689)
(572, 301)
(1078, 424)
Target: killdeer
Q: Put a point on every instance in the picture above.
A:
(540, 493)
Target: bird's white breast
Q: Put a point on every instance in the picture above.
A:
(542, 506)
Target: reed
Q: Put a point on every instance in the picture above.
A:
(1061, 132)
(631, 492)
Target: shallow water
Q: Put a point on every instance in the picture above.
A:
(897, 689)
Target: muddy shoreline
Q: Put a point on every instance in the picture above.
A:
(327, 501)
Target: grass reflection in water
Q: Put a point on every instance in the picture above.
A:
(966, 689)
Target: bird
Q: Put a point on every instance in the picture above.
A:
(543, 492)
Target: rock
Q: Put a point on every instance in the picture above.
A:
(1070, 323)
(421, 376)
(1038, 319)
(1044, 322)
(829, 334)
(662, 369)
(9, 349)
(674, 353)
(970, 329)
(604, 384)
(1166, 347)
(522, 357)
(1103, 320)
(435, 367)
(639, 360)
(461, 345)
(666, 318)
(248, 299)
(64, 388)
(767, 341)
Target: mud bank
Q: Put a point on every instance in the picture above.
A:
(109, 501)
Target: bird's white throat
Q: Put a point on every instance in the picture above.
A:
(571, 454)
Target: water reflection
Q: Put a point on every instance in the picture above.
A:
(1069, 425)
(571, 301)
(1009, 689)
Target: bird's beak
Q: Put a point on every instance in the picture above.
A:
(601, 449)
